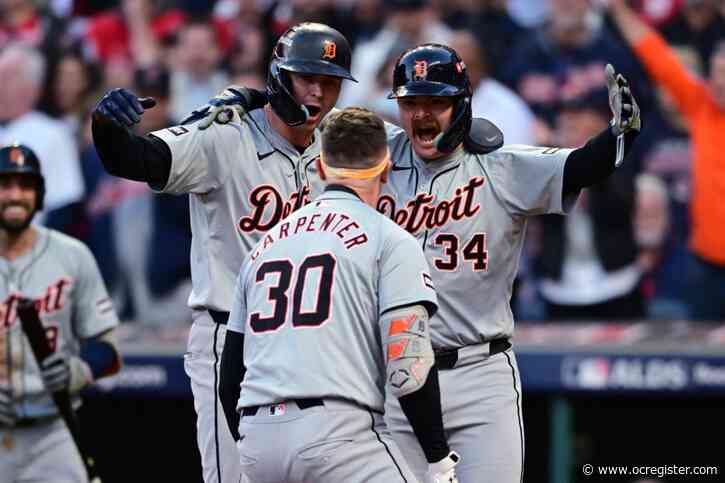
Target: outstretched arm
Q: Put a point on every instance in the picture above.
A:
(124, 154)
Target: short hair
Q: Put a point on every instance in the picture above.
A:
(353, 138)
(29, 59)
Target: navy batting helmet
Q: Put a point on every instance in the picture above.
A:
(306, 48)
(436, 70)
(19, 159)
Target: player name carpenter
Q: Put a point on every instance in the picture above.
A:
(339, 224)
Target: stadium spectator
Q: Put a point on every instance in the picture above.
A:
(25, 22)
(699, 25)
(409, 22)
(702, 102)
(491, 99)
(664, 150)
(565, 58)
(652, 227)
(72, 80)
(196, 75)
(132, 31)
(22, 70)
(244, 17)
(489, 20)
(588, 262)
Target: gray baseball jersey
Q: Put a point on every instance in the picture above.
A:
(309, 298)
(62, 276)
(469, 214)
(243, 179)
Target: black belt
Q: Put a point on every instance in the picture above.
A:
(30, 422)
(301, 403)
(219, 317)
(447, 358)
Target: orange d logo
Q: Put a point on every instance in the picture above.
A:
(16, 157)
(330, 50)
(421, 70)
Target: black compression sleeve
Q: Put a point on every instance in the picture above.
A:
(594, 162)
(423, 410)
(231, 375)
(124, 154)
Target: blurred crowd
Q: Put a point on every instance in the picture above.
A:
(537, 68)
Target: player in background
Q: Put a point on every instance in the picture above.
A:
(61, 276)
(333, 303)
(243, 177)
(469, 212)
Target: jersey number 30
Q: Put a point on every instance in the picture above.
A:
(278, 294)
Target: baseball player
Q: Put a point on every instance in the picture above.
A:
(331, 304)
(468, 211)
(243, 178)
(60, 275)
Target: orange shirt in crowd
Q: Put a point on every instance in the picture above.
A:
(707, 130)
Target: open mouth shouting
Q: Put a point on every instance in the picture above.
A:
(425, 134)
(313, 112)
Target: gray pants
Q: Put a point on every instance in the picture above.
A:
(326, 444)
(42, 453)
(481, 402)
(219, 462)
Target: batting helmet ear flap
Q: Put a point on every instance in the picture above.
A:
(449, 140)
(284, 104)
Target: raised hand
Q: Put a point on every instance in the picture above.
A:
(625, 111)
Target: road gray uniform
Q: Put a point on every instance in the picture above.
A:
(469, 212)
(243, 178)
(338, 266)
(60, 274)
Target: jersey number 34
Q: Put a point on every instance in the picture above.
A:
(279, 297)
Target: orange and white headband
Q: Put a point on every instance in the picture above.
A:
(364, 173)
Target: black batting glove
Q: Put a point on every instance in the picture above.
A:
(122, 107)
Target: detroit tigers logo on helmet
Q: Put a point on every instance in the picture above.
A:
(330, 50)
(16, 156)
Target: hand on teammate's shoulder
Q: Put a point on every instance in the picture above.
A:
(230, 104)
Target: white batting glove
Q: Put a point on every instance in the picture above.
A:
(61, 372)
(444, 471)
(626, 115)
(7, 410)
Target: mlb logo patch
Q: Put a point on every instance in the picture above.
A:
(277, 409)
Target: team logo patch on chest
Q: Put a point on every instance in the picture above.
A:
(422, 213)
